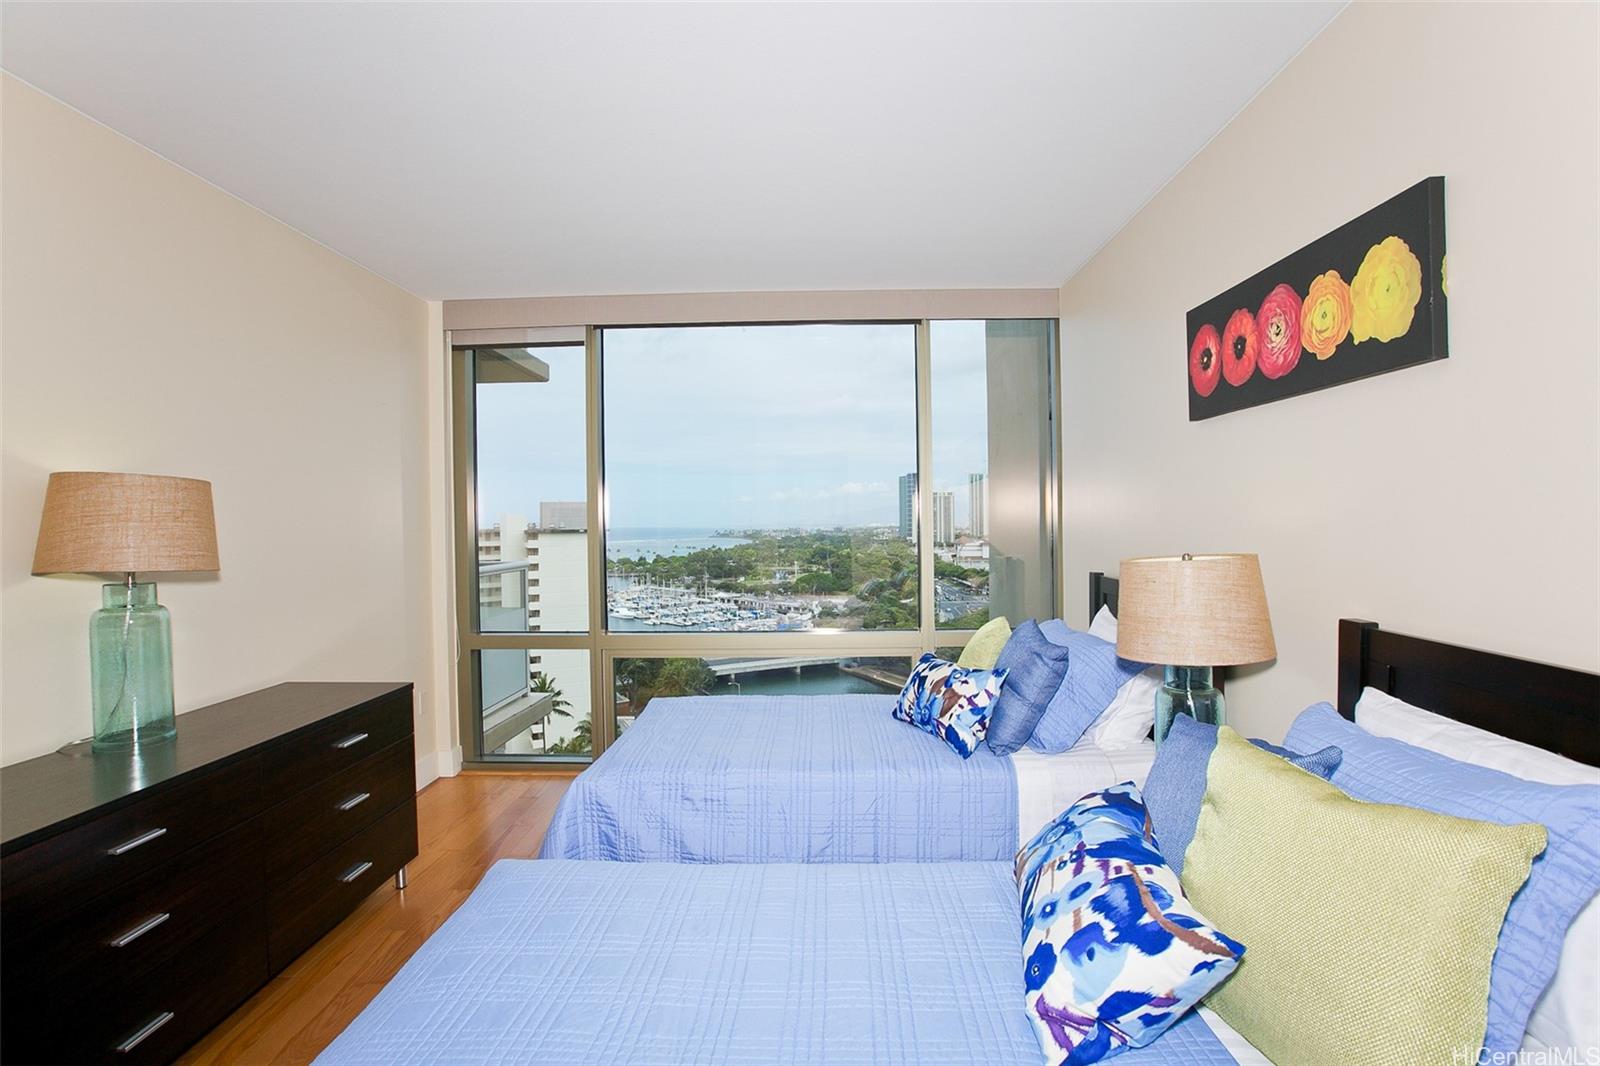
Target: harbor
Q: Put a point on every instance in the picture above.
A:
(645, 606)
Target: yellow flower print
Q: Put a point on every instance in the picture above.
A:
(1444, 274)
(1385, 292)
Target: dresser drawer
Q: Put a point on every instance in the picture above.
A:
(328, 749)
(320, 896)
(73, 868)
(302, 829)
(156, 1017)
(141, 924)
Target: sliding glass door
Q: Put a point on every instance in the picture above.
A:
(739, 509)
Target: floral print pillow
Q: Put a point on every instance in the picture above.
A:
(1113, 952)
(951, 702)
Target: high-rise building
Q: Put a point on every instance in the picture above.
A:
(944, 518)
(977, 505)
(908, 506)
(563, 514)
(532, 580)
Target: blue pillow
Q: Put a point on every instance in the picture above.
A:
(1034, 669)
(1113, 954)
(951, 702)
(1562, 880)
(1178, 781)
(1094, 674)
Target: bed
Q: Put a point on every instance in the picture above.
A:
(659, 963)
(580, 961)
(817, 779)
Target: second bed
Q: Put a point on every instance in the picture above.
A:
(814, 779)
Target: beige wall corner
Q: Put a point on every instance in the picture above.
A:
(150, 322)
(1458, 500)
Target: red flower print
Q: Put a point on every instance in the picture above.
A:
(1278, 326)
(1205, 360)
(1239, 345)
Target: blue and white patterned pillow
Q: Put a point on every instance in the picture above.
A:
(951, 702)
(1114, 954)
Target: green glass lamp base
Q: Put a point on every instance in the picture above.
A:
(130, 669)
(1188, 690)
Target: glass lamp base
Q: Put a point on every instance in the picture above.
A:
(1188, 690)
(130, 669)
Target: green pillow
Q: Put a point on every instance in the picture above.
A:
(1371, 926)
(983, 650)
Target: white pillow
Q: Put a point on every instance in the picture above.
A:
(1127, 721)
(1384, 716)
(1568, 1014)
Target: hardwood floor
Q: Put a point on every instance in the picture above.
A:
(464, 824)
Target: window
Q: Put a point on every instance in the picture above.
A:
(795, 508)
(993, 545)
(753, 478)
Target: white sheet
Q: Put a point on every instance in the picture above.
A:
(1240, 1048)
(1049, 784)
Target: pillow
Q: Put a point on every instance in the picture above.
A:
(1094, 674)
(983, 650)
(1133, 711)
(1178, 780)
(1384, 716)
(1034, 668)
(949, 701)
(1371, 926)
(1568, 1014)
(1563, 880)
(1113, 953)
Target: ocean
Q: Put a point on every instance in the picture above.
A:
(633, 541)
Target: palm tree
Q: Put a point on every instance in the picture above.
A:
(559, 705)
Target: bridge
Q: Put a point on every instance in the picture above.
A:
(756, 665)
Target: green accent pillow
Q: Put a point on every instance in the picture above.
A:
(983, 650)
(1371, 926)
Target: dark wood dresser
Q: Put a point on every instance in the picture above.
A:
(142, 900)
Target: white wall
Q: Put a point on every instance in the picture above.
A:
(1458, 500)
(153, 323)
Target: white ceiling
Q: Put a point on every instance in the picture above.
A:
(481, 150)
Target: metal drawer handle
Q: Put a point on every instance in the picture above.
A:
(139, 930)
(144, 1032)
(350, 741)
(137, 842)
(355, 871)
(355, 801)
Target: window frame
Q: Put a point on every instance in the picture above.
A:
(604, 646)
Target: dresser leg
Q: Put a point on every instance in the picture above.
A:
(400, 878)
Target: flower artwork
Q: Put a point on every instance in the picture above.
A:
(1367, 298)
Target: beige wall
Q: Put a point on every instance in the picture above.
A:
(1456, 500)
(153, 323)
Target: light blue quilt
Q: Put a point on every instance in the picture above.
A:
(742, 965)
(785, 779)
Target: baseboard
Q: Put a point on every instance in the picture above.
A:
(437, 764)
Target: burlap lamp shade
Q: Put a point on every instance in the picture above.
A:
(1194, 610)
(96, 523)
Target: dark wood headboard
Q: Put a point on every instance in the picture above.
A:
(1102, 593)
(1550, 707)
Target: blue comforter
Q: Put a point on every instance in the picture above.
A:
(655, 963)
(785, 779)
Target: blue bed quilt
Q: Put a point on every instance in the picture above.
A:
(785, 779)
(655, 963)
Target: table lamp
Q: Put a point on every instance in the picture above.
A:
(97, 523)
(1191, 613)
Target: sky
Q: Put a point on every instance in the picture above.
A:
(740, 427)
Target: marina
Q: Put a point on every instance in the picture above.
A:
(634, 605)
